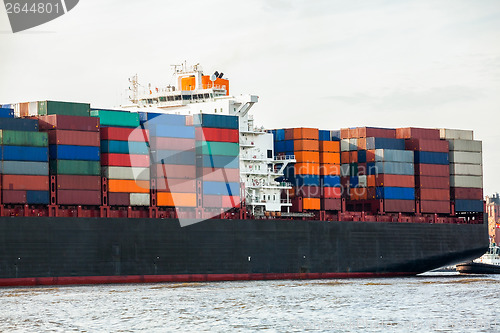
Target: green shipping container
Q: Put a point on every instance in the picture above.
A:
(218, 148)
(24, 138)
(71, 167)
(116, 118)
(63, 108)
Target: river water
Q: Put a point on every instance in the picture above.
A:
(434, 302)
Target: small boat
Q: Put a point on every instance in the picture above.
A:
(488, 263)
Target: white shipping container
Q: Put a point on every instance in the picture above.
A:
(466, 169)
(353, 144)
(139, 199)
(466, 181)
(344, 170)
(344, 145)
(456, 134)
(362, 181)
(132, 173)
(466, 145)
(466, 157)
(33, 109)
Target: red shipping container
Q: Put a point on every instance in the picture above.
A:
(126, 160)
(124, 134)
(221, 175)
(79, 197)
(395, 180)
(172, 143)
(399, 206)
(417, 133)
(362, 169)
(435, 207)
(74, 138)
(361, 143)
(353, 157)
(367, 132)
(119, 199)
(433, 194)
(353, 133)
(437, 170)
(217, 134)
(13, 197)
(176, 185)
(344, 183)
(172, 171)
(331, 204)
(370, 156)
(230, 201)
(344, 133)
(73, 182)
(288, 133)
(332, 192)
(25, 182)
(440, 146)
(432, 182)
(212, 201)
(344, 157)
(466, 193)
(308, 191)
(371, 193)
(63, 122)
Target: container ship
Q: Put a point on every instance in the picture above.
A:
(181, 185)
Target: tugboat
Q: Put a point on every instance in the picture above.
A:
(489, 263)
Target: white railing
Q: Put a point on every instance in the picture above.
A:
(284, 157)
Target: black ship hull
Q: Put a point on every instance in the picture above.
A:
(46, 251)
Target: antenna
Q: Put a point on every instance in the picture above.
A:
(134, 80)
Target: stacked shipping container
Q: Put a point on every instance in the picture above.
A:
(329, 171)
(217, 148)
(173, 167)
(24, 162)
(432, 181)
(466, 170)
(125, 158)
(74, 157)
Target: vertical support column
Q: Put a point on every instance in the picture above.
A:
(153, 209)
(452, 208)
(382, 207)
(322, 215)
(417, 208)
(343, 206)
(53, 208)
(104, 209)
(79, 211)
(26, 210)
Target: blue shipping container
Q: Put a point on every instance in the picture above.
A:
(289, 146)
(25, 153)
(305, 180)
(175, 157)
(221, 188)
(353, 181)
(385, 143)
(165, 119)
(469, 205)
(185, 132)
(280, 135)
(6, 113)
(396, 193)
(220, 161)
(38, 197)
(216, 121)
(324, 135)
(361, 156)
(330, 181)
(430, 157)
(68, 152)
(24, 168)
(279, 146)
(124, 147)
(19, 124)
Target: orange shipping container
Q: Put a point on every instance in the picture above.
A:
(307, 169)
(370, 180)
(309, 145)
(128, 186)
(176, 199)
(311, 203)
(362, 144)
(370, 156)
(332, 192)
(329, 158)
(25, 182)
(344, 157)
(307, 156)
(358, 193)
(344, 133)
(329, 146)
(329, 170)
(305, 133)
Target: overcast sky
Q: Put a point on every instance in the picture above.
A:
(327, 64)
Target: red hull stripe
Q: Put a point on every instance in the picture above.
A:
(79, 280)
